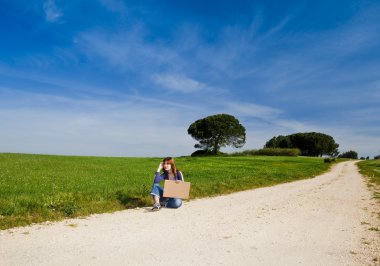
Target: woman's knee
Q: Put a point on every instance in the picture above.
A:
(156, 190)
(174, 203)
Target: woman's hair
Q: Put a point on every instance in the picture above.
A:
(171, 161)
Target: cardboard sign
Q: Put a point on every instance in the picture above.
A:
(173, 189)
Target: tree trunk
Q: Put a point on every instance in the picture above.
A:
(215, 151)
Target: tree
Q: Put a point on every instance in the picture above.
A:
(349, 155)
(310, 143)
(314, 143)
(278, 142)
(217, 131)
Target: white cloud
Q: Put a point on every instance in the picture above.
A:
(52, 12)
(141, 126)
(129, 132)
(310, 75)
(247, 109)
(127, 50)
(293, 125)
(60, 125)
(179, 83)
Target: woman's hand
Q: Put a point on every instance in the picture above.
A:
(160, 166)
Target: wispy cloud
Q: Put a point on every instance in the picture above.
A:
(59, 124)
(126, 50)
(248, 109)
(52, 12)
(180, 83)
(139, 126)
(97, 127)
(276, 79)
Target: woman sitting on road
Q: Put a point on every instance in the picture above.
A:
(170, 173)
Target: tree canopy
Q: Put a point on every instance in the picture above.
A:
(217, 131)
(349, 154)
(310, 143)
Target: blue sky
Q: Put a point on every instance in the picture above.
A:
(127, 78)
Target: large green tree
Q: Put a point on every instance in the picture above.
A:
(217, 131)
(310, 143)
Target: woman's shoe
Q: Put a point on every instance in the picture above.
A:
(156, 207)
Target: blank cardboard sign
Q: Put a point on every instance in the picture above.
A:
(173, 189)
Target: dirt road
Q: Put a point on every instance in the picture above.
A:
(327, 220)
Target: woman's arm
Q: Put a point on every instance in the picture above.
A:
(158, 178)
(180, 176)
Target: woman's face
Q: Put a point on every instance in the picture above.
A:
(167, 166)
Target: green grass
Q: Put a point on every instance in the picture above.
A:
(37, 188)
(371, 169)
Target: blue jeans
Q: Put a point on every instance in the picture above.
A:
(157, 190)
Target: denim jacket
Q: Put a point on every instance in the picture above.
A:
(158, 178)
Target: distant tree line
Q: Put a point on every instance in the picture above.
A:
(349, 155)
(310, 143)
(217, 131)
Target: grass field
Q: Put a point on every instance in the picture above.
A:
(371, 168)
(37, 188)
